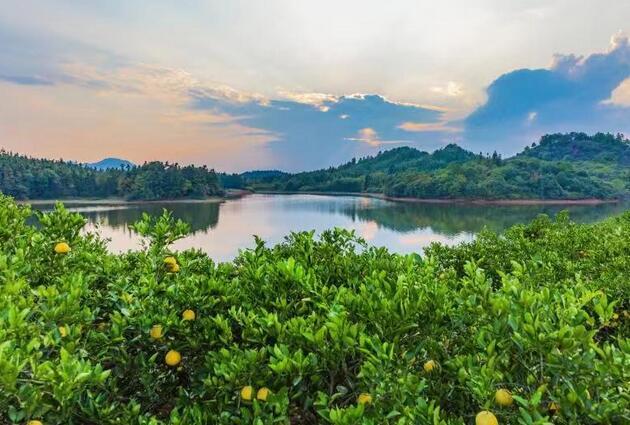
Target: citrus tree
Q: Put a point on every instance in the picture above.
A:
(528, 327)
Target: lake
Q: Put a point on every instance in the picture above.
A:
(222, 228)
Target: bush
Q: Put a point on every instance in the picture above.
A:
(540, 311)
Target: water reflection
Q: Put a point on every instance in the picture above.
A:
(221, 229)
(452, 219)
(200, 215)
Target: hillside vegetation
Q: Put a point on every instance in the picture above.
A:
(529, 327)
(561, 166)
(30, 178)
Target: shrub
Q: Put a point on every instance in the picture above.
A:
(313, 330)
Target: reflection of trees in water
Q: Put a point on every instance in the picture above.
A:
(452, 219)
(444, 218)
(200, 215)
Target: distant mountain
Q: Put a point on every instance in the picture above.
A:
(110, 163)
(560, 166)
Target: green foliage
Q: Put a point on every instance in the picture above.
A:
(541, 311)
(29, 178)
(571, 166)
(581, 147)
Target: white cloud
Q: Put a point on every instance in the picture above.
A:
(621, 95)
(419, 127)
(168, 84)
(451, 89)
(315, 99)
(370, 136)
(531, 117)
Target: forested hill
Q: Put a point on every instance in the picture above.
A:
(30, 178)
(580, 147)
(561, 166)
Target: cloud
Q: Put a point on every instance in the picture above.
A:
(80, 96)
(574, 94)
(621, 95)
(26, 80)
(290, 130)
(316, 131)
(369, 136)
(451, 89)
(315, 99)
(421, 127)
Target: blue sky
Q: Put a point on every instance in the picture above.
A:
(301, 85)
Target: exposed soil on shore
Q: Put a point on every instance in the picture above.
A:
(591, 201)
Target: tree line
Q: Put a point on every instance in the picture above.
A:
(24, 177)
(561, 166)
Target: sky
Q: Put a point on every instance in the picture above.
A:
(299, 85)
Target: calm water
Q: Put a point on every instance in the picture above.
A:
(221, 229)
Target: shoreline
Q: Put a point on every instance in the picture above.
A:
(117, 201)
(589, 201)
(229, 194)
(241, 193)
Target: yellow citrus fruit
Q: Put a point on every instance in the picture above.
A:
(262, 394)
(156, 331)
(503, 397)
(429, 366)
(62, 331)
(173, 268)
(486, 418)
(62, 248)
(247, 392)
(173, 358)
(364, 398)
(188, 315)
(170, 260)
(34, 422)
(553, 407)
(615, 316)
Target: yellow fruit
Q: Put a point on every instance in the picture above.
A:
(553, 407)
(486, 418)
(173, 358)
(34, 422)
(615, 316)
(429, 366)
(247, 392)
(156, 331)
(188, 315)
(262, 394)
(503, 397)
(62, 248)
(364, 398)
(62, 331)
(169, 261)
(173, 268)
